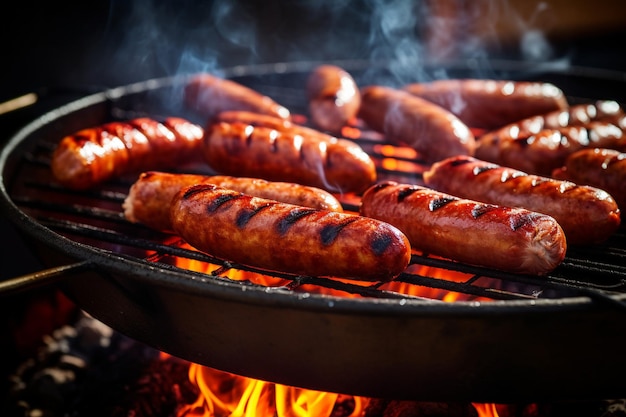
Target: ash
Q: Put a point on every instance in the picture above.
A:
(88, 369)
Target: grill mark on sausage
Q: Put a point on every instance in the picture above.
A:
(406, 192)
(330, 231)
(190, 192)
(439, 202)
(380, 244)
(480, 209)
(518, 220)
(221, 200)
(246, 214)
(460, 161)
(482, 169)
(290, 219)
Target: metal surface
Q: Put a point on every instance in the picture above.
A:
(506, 338)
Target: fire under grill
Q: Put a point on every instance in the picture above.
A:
(88, 232)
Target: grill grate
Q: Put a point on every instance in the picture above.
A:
(95, 218)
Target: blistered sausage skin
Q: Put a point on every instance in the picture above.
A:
(283, 237)
(94, 155)
(149, 198)
(490, 104)
(597, 167)
(503, 238)
(335, 165)
(208, 95)
(408, 120)
(333, 97)
(587, 214)
(541, 152)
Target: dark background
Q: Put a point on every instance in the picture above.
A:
(63, 50)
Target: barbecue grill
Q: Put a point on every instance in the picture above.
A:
(504, 337)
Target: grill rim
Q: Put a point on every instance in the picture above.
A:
(152, 273)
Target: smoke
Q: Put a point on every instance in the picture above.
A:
(149, 38)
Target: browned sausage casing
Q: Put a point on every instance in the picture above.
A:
(335, 165)
(96, 154)
(602, 168)
(504, 238)
(334, 98)
(489, 104)
(408, 120)
(149, 198)
(587, 214)
(209, 95)
(284, 237)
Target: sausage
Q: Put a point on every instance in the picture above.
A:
(541, 152)
(333, 97)
(408, 120)
(149, 198)
(498, 237)
(604, 118)
(94, 155)
(490, 104)
(283, 237)
(208, 95)
(587, 214)
(335, 165)
(597, 167)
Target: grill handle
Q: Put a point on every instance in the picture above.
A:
(40, 278)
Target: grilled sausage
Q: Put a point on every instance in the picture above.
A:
(335, 165)
(602, 121)
(97, 154)
(408, 120)
(334, 98)
(504, 238)
(149, 198)
(587, 215)
(602, 168)
(490, 104)
(289, 238)
(541, 152)
(208, 95)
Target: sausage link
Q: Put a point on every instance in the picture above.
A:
(597, 167)
(208, 95)
(603, 121)
(587, 214)
(149, 198)
(498, 237)
(240, 149)
(408, 120)
(283, 237)
(94, 155)
(490, 104)
(334, 97)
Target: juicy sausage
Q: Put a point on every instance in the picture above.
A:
(149, 198)
(408, 120)
(208, 95)
(94, 155)
(504, 238)
(240, 149)
(602, 168)
(587, 214)
(541, 152)
(289, 238)
(490, 104)
(334, 97)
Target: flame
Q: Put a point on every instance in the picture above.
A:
(225, 394)
(486, 410)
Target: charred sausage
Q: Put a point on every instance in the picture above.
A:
(587, 214)
(335, 165)
(333, 96)
(602, 168)
(149, 198)
(490, 104)
(289, 238)
(504, 238)
(208, 95)
(408, 120)
(541, 152)
(94, 155)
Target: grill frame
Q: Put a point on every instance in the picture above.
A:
(161, 300)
